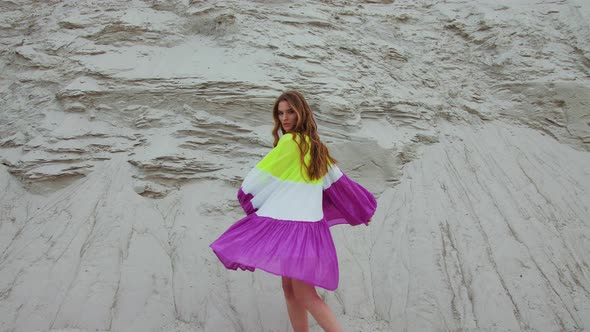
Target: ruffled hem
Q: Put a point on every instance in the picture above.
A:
(294, 249)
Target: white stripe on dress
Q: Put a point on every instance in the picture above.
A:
(333, 175)
(282, 199)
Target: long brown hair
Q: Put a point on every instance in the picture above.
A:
(305, 126)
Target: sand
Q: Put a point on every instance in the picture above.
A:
(127, 127)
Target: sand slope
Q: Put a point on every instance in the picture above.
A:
(127, 127)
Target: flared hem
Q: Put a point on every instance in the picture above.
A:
(244, 267)
(294, 249)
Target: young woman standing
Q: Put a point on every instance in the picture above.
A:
(291, 198)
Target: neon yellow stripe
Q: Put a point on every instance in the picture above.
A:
(283, 161)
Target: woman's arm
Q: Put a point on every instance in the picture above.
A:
(346, 201)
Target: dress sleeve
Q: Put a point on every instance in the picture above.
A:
(246, 201)
(345, 201)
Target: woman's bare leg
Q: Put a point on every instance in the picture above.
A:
(296, 309)
(307, 295)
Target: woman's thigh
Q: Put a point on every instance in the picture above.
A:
(304, 291)
(287, 284)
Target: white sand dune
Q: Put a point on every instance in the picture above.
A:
(127, 127)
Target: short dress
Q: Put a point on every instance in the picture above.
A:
(286, 228)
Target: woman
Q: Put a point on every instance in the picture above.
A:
(291, 198)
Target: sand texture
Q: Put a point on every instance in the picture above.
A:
(126, 128)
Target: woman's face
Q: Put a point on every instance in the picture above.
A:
(287, 116)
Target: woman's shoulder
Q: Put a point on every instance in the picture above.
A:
(290, 137)
(288, 144)
(286, 136)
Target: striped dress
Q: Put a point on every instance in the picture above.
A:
(286, 228)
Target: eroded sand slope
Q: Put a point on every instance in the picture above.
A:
(126, 128)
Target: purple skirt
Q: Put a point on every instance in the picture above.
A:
(294, 249)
